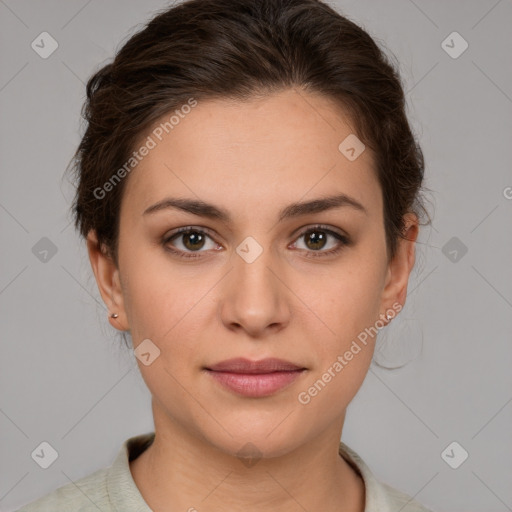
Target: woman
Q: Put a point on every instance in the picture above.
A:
(248, 188)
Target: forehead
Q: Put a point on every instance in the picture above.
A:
(264, 151)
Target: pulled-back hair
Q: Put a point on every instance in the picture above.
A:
(241, 49)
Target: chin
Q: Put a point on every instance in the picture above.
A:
(256, 443)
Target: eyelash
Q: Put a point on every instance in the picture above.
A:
(343, 241)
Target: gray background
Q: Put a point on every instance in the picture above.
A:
(65, 377)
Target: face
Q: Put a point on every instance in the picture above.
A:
(255, 275)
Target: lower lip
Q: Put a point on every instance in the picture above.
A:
(257, 384)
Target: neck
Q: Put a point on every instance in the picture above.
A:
(180, 471)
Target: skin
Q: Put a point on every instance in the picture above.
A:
(252, 159)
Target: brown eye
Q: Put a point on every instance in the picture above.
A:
(315, 239)
(187, 241)
(319, 241)
(193, 240)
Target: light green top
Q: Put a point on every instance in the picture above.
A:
(113, 489)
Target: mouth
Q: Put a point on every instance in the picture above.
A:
(255, 378)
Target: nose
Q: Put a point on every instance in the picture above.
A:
(254, 296)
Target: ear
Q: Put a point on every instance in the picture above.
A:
(400, 267)
(107, 278)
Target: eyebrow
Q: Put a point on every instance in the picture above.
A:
(202, 209)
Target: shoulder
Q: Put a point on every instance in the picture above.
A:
(107, 489)
(86, 494)
(403, 501)
(380, 497)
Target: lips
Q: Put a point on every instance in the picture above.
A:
(245, 366)
(255, 379)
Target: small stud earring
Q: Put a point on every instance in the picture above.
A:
(114, 315)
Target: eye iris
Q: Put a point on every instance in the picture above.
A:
(191, 239)
(317, 238)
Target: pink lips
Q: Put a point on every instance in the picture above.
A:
(255, 378)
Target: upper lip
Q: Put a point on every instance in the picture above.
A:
(242, 365)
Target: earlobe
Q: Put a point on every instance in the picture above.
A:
(109, 285)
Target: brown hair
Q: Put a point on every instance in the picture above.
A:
(207, 49)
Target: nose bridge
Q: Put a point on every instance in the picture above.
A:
(252, 273)
(254, 298)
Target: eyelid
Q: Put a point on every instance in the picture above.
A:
(296, 233)
(186, 229)
(324, 227)
(343, 239)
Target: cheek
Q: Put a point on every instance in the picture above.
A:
(168, 311)
(345, 300)
(162, 305)
(169, 305)
(344, 341)
(153, 296)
